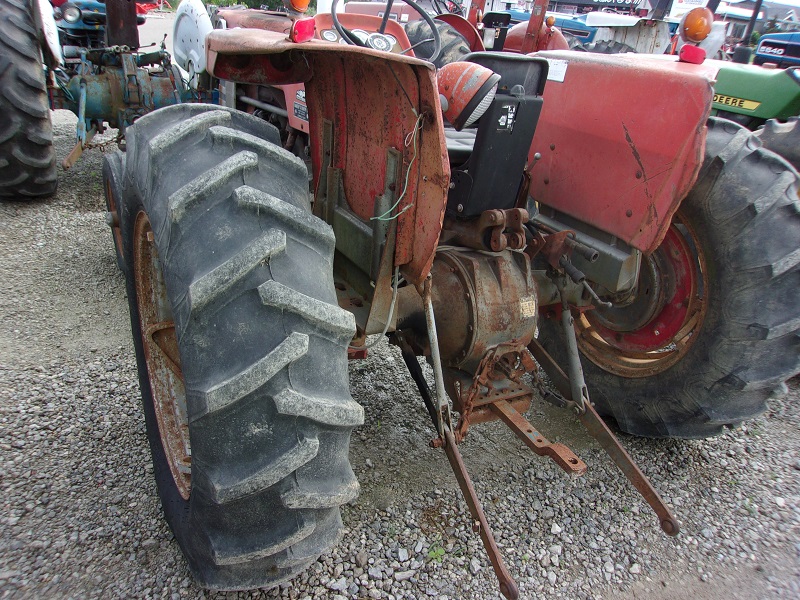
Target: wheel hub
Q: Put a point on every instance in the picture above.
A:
(654, 328)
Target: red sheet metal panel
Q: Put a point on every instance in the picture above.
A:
(373, 100)
(620, 139)
(374, 105)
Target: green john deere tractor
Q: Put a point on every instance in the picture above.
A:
(761, 99)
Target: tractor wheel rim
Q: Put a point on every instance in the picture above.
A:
(646, 349)
(161, 353)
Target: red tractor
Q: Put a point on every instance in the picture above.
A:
(455, 210)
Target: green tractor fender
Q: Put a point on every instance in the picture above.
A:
(750, 94)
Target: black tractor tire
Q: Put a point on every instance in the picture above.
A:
(113, 176)
(783, 139)
(574, 43)
(454, 45)
(220, 213)
(746, 217)
(608, 47)
(27, 156)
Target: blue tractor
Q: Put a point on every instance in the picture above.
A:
(83, 56)
(782, 49)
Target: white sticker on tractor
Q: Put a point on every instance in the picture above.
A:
(527, 307)
(558, 69)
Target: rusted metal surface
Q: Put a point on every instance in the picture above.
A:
(252, 19)
(494, 230)
(655, 327)
(121, 26)
(77, 151)
(481, 302)
(160, 345)
(611, 163)
(508, 586)
(536, 29)
(559, 453)
(497, 378)
(401, 89)
(442, 405)
(600, 431)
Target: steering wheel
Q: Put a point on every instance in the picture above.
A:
(350, 38)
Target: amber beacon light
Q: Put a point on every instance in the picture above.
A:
(696, 25)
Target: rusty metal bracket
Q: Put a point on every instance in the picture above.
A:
(77, 151)
(599, 430)
(495, 230)
(524, 430)
(508, 586)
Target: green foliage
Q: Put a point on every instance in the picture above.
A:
(772, 26)
(754, 37)
(436, 553)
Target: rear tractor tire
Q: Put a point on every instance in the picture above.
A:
(27, 156)
(783, 139)
(713, 328)
(240, 344)
(608, 47)
(454, 45)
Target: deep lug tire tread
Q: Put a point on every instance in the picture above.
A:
(266, 380)
(27, 156)
(783, 139)
(745, 208)
(608, 47)
(454, 45)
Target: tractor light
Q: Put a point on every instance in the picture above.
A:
(302, 30)
(696, 25)
(466, 89)
(72, 14)
(550, 21)
(692, 54)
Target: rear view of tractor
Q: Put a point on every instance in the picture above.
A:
(82, 56)
(456, 210)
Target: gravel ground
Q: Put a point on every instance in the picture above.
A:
(81, 518)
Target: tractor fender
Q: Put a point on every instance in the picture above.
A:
(620, 141)
(549, 38)
(48, 33)
(192, 25)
